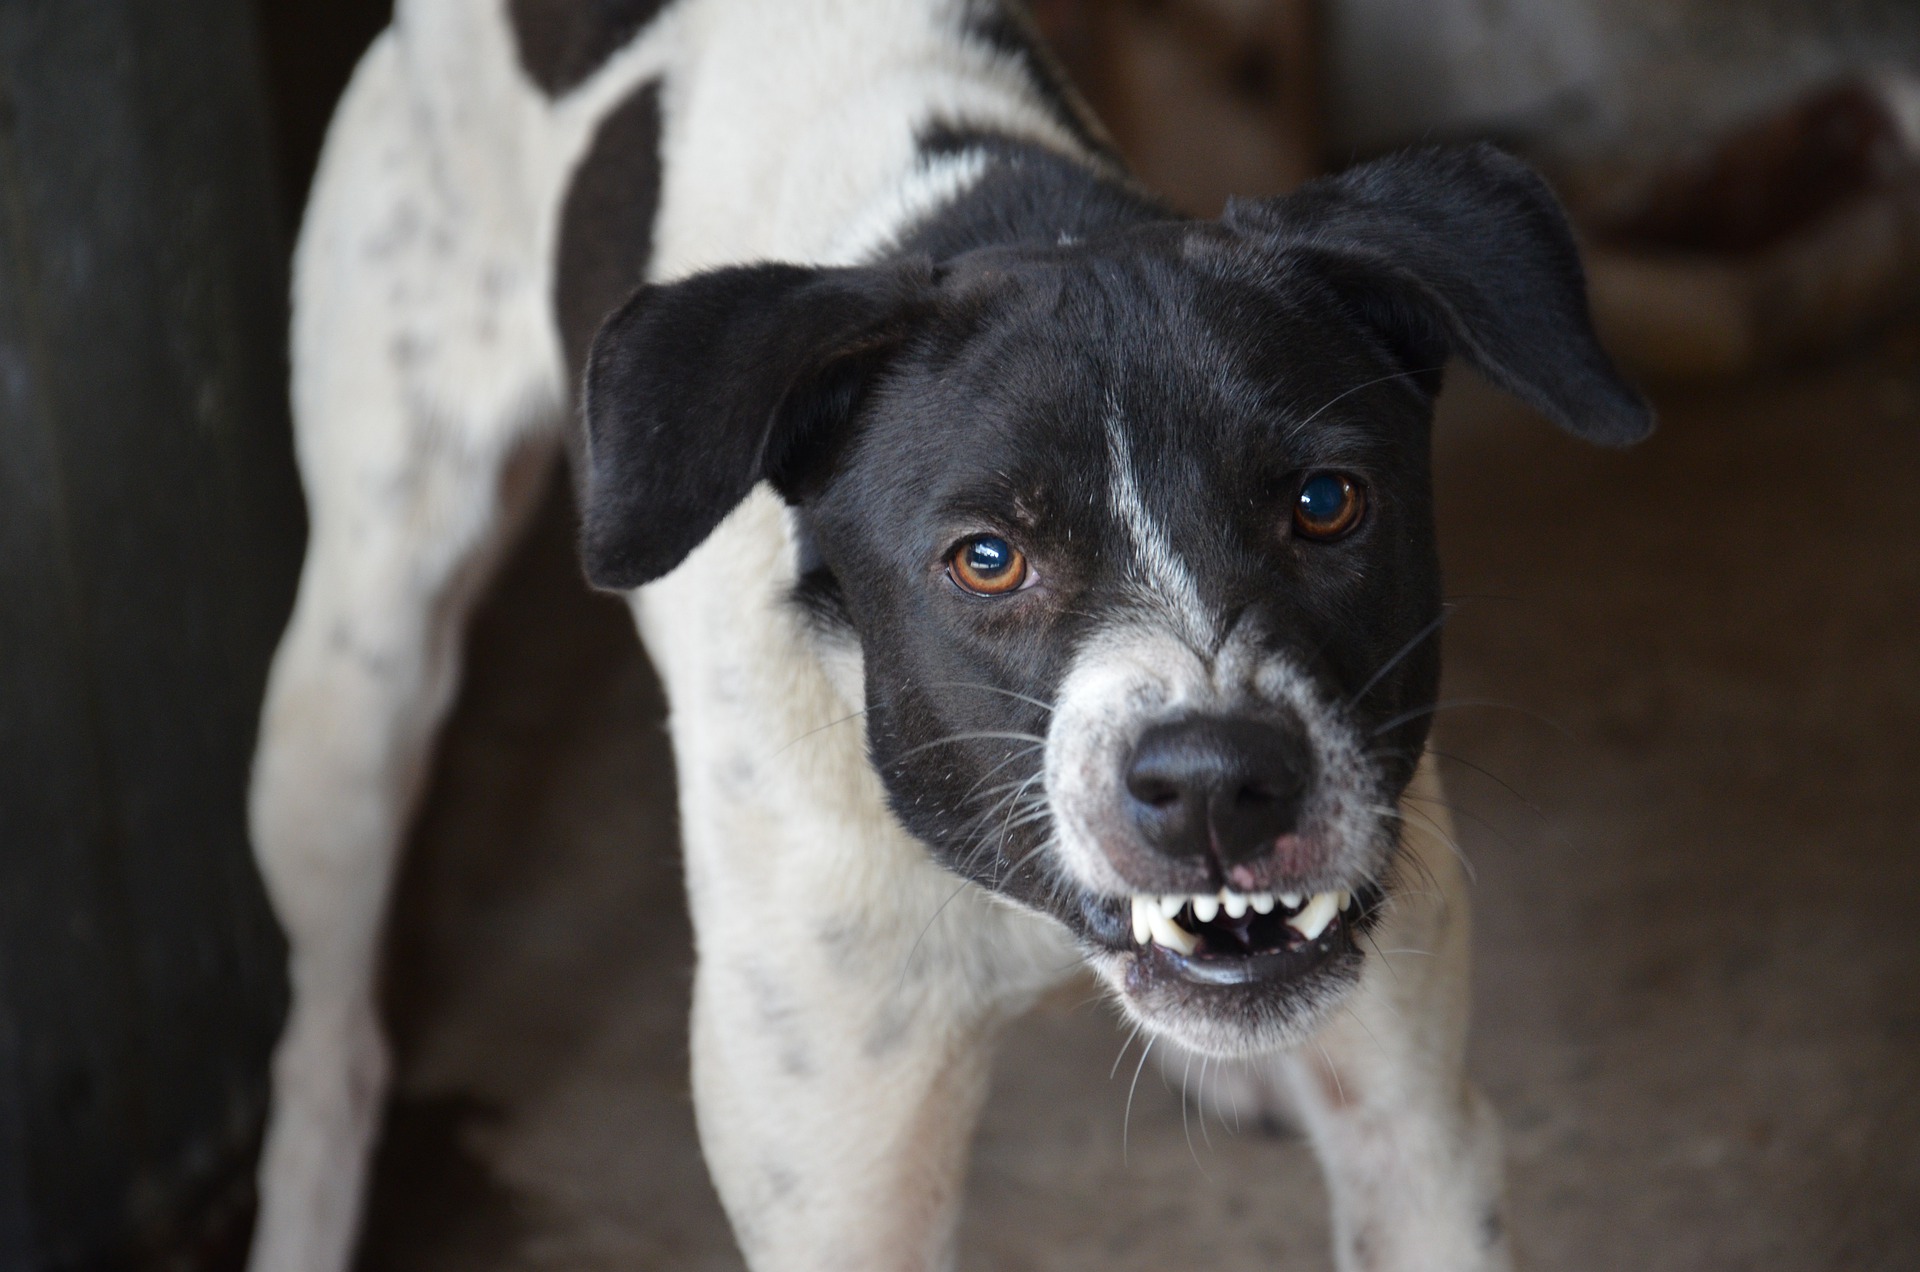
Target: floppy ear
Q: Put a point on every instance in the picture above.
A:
(1462, 251)
(697, 390)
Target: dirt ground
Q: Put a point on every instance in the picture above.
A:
(1693, 824)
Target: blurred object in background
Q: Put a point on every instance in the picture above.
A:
(1786, 236)
(1206, 98)
(1575, 81)
(1767, 179)
(150, 528)
(1745, 173)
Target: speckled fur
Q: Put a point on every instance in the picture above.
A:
(836, 1083)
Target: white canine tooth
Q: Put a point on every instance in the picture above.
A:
(1171, 905)
(1204, 908)
(1171, 934)
(1233, 903)
(1343, 898)
(1142, 930)
(1262, 902)
(1313, 920)
(1290, 899)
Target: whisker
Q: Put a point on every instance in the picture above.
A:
(1468, 813)
(1508, 787)
(1008, 801)
(1384, 1001)
(822, 729)
(1449, 705)
(1397, 375)
(1424, 632)
(1429, 824)
(1391, 969)
(1126, 1119)
(1450, 842)
(979, 736)
(1132, 1034)
(1204, 1137)
(1011, 756)
(1015, 868)
(970, 684)
(1332, 1072)
(907, 964)
(1186, 1133)
(1004, 786)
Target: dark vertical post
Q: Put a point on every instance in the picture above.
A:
(150, 525)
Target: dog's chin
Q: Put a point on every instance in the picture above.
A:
(1244, 988)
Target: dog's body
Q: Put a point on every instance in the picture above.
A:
(499, 177)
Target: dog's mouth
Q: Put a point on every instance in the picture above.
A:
(1230, 938)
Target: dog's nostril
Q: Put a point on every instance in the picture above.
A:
(1255, 793)
(1153, 790)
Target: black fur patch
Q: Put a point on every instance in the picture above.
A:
(751, 373)
(606, 227)
(562, 42)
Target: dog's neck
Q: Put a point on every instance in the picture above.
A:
(1020, 192)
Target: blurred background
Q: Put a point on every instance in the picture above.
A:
(1691, 814)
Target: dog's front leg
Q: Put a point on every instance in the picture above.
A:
(842, 1034)
(1411, 1151)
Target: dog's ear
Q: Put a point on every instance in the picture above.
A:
(697, 390)
(1462, 251)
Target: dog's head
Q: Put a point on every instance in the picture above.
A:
(1135, 535)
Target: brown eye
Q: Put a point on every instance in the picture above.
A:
(1330, 505)
(987, 565)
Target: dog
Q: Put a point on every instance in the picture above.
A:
(1011, 550)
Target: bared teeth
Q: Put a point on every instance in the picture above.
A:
(1149, 924)
(1170, 934)
(1153, 916)
(1318, 912)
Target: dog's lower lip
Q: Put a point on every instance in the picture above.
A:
(1250, 969)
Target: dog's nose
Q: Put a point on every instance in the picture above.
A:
(1226, 785)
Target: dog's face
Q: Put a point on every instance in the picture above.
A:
(1135, 536)
(1123, 535)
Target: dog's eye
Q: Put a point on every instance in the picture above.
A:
(1330, 506)
(987, 565)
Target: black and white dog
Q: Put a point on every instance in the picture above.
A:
(991, 529)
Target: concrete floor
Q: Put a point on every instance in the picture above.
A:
(1698, 968)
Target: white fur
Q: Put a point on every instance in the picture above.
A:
(1164, 576)
(836, 1083)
